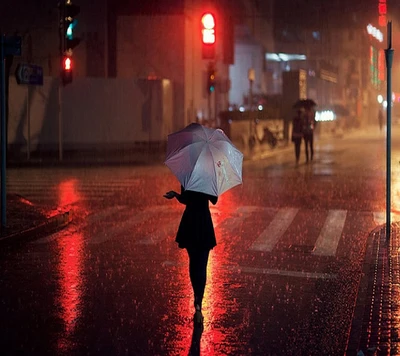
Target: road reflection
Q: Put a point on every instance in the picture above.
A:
(217, 302)
(70, 271)
(211, 337)
(68, 192)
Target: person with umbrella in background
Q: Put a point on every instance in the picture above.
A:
(206, 164)
(309, 122)
(297, 133)
(308, 131)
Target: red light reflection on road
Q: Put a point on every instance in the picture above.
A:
(71, 284)
(70, 269)
(216, 297)
(68, 192)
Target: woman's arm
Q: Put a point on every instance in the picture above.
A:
(180, 197)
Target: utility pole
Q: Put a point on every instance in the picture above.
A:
(389, 61)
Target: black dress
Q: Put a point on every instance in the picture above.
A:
(196, 230)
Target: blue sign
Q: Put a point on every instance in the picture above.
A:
(29, 74)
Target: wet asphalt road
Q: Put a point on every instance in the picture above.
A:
(282, 280)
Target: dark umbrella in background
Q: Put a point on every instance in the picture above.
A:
(304, 103)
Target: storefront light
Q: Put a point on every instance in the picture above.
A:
(326, 115)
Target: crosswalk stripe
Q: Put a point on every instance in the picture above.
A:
(91, 219)
(126, 225)
(258, 270)
(267, 240)
(161, 234)
(282, 272)
(326, 244)
(380, 217)
(118, 229)
(331, 232)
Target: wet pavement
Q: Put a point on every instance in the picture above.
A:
(374, 321)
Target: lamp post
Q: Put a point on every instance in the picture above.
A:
(389, 61)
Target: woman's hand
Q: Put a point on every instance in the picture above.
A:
(170, 195)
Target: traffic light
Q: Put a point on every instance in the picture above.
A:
(66, 70)
(69, 23)
(208, 35)
(68, 40)
(211, 79)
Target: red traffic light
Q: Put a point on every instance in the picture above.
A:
(66, 70)
(208, 28)
(67, 64)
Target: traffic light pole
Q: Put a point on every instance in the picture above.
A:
(209, 106)
(3, 133)
(60, 122)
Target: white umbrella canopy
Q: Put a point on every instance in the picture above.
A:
(204, 159)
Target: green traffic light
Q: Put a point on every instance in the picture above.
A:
(70, 29)
(69, 32)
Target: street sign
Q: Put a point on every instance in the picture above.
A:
(29, 74)
(12, 45)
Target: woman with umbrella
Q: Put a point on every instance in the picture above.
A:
(196, 235)
(206, 164)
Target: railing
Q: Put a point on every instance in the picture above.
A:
(253, 131)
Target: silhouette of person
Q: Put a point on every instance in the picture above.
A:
(308, 132)
(380, 119)
(297, 133)
(196, 235)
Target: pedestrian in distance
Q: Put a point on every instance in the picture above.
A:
(308, 132)
(380, 119)
(196, 235)
(297, 133)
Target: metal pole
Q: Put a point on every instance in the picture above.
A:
(209, 105)
(389, 61)
(3, 134)
(60, 143)
(106, 40)
(215, 105)
(28, 118)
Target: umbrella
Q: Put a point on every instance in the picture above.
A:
(204, 159)
(304, 103)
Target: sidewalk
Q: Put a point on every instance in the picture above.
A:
(25, 221)
(88, 158)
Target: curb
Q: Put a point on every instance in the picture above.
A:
(51, 225)
(375, 316)
(362, 302)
